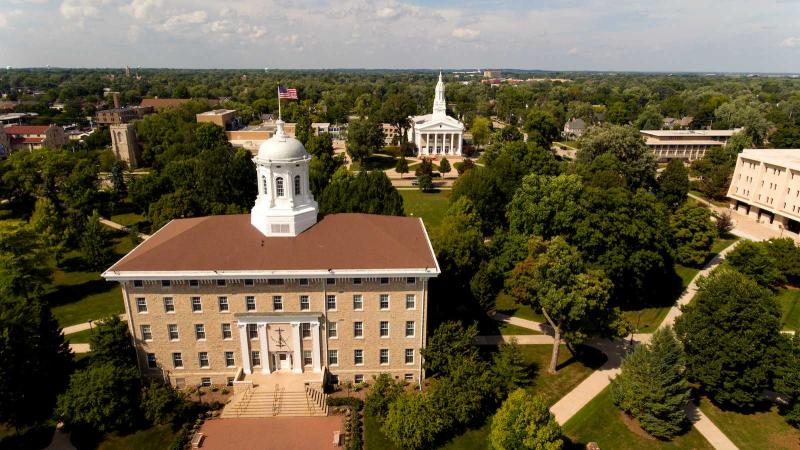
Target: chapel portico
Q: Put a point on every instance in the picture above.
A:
(279, 343)
(437, 133)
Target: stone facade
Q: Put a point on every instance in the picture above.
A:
(124, 145)
(335, 327)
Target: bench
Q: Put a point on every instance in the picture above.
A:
(197, 440)
(337, 439)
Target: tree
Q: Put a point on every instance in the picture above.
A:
(509, 367)
(524, 422)
(464, 166)
(754, 260)
(542, 128)
(47, 223)
(786, 255)
(23, 261)
(716, 167)
(724, 223)
(480, 187)
(381, 394)
(444, 166)
(573, 298)
(694, 234)
(729, 332)
(102, 398)
(111, 343)
(787, 378)
(450, 339)
(402, 166)
(368, 192)
(486, 284)
(465, 393)
(425, 182)
(118, 187)
(650, 119)
(364, 136)
(95, 242)
(413, 422)
(480, 130)
(652, 385)
(396, 110)
(546, 206)
(637, 165)
(35, 361)
(458, 243)
(302, 129)
(162, 404)
(673, 184)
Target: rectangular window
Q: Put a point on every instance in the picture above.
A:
(384, 301)
(197, 305)
(331, 329)
(384, 328)
(226, 331)
(138, 283)
(358, 357)
(408, 377)
(409, 328)
(255, 358)
(223, 304)
(358, 379)
(275, 282)
(384, 280)
(409, 356)
(205, 381)
(194, 283)
(277, 303)
(358, 302)
(147, 334)
(411, 280)
(229, 362)
(166, 283)
(169, 305)
(249, 282)
(252, 331)
(172, 330)
(221, 283)
(330, 281)
(151, 361)
(303, 281)
(305, 330)
(357, 281)
(358, 329)
(384, 356)
(305, 303)
(250, 303)
(333, 357)
(199, 331)
(307, 358)
(177, 360)
(202, 359)
(411, 301)
(141, 305)
(330, 301)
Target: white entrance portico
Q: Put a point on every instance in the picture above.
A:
(279, 342)
(437, 133)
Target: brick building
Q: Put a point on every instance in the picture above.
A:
(29, 137)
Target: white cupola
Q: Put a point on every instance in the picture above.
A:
(439, 103)
(285, 205)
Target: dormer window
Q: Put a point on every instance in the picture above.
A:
(279, 186)
(297, 185)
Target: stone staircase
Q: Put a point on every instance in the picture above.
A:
(264, 402)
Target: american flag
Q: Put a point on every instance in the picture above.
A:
(287, 93)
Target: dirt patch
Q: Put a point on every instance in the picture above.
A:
(634, 427)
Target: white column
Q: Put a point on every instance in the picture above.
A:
(436, 143)
(262, 338)
(460, 142)
(315, 352)
(297, 358)
(243, 339)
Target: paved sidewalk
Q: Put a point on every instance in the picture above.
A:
(524, 323)
(706, 427)
(119, 226)
(85, 326)
(80, 348)
(522, 339)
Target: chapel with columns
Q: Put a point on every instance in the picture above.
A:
(256, 299)
(437, 133)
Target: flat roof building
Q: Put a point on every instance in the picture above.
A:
(685, 144)
(766, 186)
(224, 118)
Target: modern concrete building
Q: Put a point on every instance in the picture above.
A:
(685, 144)
(766, 186)
(258, 299)
(29, 137)
(124, 144)
(224, 118)
(437, 133)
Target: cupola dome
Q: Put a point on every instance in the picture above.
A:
(282, 147)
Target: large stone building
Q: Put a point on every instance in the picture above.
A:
(237, 298)
(125, 145)
(685, 144)
(766, 186)
(30, 137)
(437, 133)
(117, 116)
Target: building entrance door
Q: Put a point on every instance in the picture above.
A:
(283, 361)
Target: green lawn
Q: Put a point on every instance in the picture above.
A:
(573, 144)
(551, 387)
(81, 337)
(431, 206)
(713, 202)
(760, 430)
(129, 219)
(156, 438)
(647, 319)
(790, 305)
(600, 421)
(687, 274)
(38, 436)
(375, 162)
(506, 305)
(510, 329)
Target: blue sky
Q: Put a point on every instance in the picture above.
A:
(674, 35)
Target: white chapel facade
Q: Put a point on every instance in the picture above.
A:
(437, 134)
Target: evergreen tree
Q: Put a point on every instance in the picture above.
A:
(119, 189)
(402, 166)
(95, 242)
(652, 386)
(694, 234)
(458, 242)
(444, 166)
(673, 184)
(47, 223)
(510, 369)
(787, 378)
(23, 261)
(111, 343)
(524, 422)
(754, 260)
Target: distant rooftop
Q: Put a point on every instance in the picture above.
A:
(686, 133)
(789, 157)
(217, 112)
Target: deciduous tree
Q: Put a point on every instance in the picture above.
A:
(673, 184)
(694, 234)
(524, 422)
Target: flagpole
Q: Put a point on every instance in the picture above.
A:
(279, 103)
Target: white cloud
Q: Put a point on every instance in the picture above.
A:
(466, 34)
(191, 18)
(791, 42)
(573, 51)
(7, 18)
(143, 9)
(81, 9)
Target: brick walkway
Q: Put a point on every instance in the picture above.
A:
(297, 433)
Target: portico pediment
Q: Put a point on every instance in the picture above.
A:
(444, 124)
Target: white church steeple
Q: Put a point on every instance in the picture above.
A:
(285, 205)
(439, 103)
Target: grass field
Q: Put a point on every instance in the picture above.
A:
(81, 337)
(551, 387)
(156, 438)
(760, 430)
(431, 206)
(790, 306)
(130, 219)
(506, 305)
(508, 329)
(375, 162)
(573, 144)
(647, 319)
(600, 421)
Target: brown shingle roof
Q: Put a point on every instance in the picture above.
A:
(231, 243)
(26, 129)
